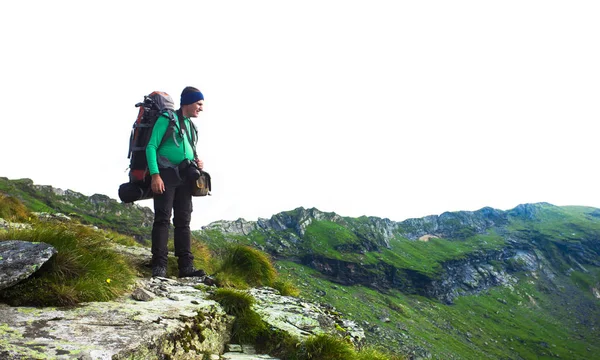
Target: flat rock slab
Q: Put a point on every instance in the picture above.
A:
(19, 259)
(122, 329)
(240, 356)
(244, 352)
(298, 318)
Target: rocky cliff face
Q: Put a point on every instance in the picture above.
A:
(529, 235)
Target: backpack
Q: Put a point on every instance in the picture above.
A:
(154, 105)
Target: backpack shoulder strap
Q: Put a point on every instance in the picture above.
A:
(193, 131)
(170, 129)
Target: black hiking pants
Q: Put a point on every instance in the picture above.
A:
(178, 198)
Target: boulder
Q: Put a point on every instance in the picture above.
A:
(19, 259)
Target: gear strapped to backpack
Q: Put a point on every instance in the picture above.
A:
(154, 105)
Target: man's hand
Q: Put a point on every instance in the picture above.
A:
(157, 185)
(200, 164)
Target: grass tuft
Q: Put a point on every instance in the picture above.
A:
(234, 302)
(83, 270)
(286, 288)
(248, 325)
(12, 209)
(326, 347)
(374, 354)
(248, 264)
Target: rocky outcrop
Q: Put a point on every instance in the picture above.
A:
(237, 227)
(5, 225)
(179, 323)
(161, 319)
(453, 225)
(296, 220)
(522, 248)
(374, 233)
(302, 319)
(471, 276)
(20, 259)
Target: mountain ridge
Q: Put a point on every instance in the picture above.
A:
(417, 284)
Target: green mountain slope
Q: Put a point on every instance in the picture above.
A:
(522, 283)
(99, 210)
(486, 284)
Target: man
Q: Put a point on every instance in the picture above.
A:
(170, 165)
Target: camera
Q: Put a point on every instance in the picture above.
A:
(189, 169)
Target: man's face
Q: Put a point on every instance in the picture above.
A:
(193, 110)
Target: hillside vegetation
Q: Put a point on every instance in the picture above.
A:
(518, 284)
(486, 284)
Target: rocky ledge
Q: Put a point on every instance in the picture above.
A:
(162, 318)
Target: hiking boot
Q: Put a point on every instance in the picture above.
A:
(159, 271)
(191, 271)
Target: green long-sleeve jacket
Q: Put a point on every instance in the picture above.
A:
(157, 154)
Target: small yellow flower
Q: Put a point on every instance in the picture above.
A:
(108, 281)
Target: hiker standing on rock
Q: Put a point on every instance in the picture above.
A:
(173, 165)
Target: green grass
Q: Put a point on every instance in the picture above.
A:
(427, 256)
(247, 264)
(248, 328)
(526, 322)
(84, 269)
(330, 239)
(326, 347)
(12, 209)
(564, 224)
(286, 288)
(98, 210)
(247, 325)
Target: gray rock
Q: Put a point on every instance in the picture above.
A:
(121, 329)
(300, 319)
(12, 225)
(234, 348)
(244, 352)
(52, 217)
(19, 259)
(140, 294)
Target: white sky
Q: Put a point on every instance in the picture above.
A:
(395, 109)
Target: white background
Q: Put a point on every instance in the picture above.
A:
(394, 109)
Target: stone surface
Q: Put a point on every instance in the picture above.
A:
(299, 318)
(12, 225)
(20, 259)
(244, 352)
(140, 294)
(122, 329)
